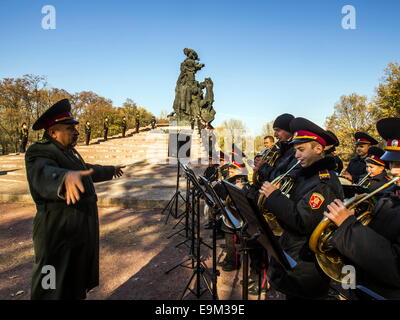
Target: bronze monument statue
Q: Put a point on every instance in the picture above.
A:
(190, 102)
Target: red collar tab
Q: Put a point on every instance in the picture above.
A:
(324, 175)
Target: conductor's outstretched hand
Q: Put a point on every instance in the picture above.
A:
(73, 185)
(118, 171)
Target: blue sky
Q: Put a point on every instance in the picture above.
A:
(265, 57)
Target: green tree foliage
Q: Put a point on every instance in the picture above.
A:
(387, 99)
(25, 99)
(354, 113)
(350, 115)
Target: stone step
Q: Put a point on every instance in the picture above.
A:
(13, 178)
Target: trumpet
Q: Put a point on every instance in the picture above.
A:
(270, 157)
(363, 180)
(286, 184)
(330, 261)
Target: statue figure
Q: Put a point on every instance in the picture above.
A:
(190, 102)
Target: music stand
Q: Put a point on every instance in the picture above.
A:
(215, 203)
(219, 206)
(256, 223)
(257, 227)
(185, 214)
(195, 254)
(174, 148)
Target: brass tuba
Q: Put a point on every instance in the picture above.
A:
(286, 184)
(329, 259)
(270, 158)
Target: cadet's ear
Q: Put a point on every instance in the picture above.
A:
(318, 147)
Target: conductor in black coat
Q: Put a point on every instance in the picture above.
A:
(66, 226)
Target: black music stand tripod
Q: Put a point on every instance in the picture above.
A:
(198, 266)
(185, 215)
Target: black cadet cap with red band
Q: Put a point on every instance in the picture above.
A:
(364, 138)
(59, 112)
(337, 143)
(375, 156)
(389, 129)
(306, 131)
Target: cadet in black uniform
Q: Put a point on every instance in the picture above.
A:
(377, 175)
(123, 125)
(357, 166)
(286, 160)
(106, 125)
(330, 152)
(374, 250)
(23, 137)
(137, 121)
(282, 132)
(269, 141)
(66, 226)
(88, 131)
(153, 122)
(315, 186)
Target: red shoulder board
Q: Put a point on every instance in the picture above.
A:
(324, 175)
(316, 200)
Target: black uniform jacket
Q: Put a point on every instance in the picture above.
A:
(282, 165)
(377, 181)
(357, 168)
(64, 236)
(374, 250)
(88, 129)
(339, 162)
(315, 187)
(24, 134)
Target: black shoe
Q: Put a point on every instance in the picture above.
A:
(208, 226)
(227, 266)
(249, 283)
(255, 290)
